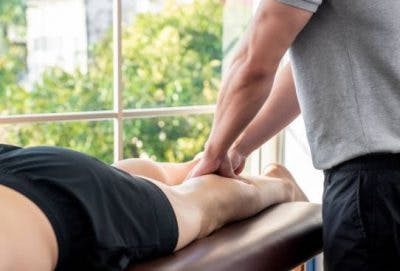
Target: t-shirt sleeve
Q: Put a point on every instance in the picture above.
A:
(310, 5)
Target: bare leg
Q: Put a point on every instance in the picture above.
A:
(206, 203)
(278, 171)
(175, 173)
(223, 200)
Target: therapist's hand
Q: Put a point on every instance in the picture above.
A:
(230, 165)
(237, 160)
(206, 165)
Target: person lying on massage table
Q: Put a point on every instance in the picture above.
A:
(63, 210)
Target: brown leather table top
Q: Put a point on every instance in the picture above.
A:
(279, 238)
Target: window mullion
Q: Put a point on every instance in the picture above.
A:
(117, 77)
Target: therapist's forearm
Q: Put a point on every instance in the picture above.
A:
(247, 84)
(279, 110)
(244, 91)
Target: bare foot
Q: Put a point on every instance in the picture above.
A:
(280, 172)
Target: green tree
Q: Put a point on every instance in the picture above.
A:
(12, 55)
(170, 58)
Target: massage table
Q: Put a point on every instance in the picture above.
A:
(278, 238)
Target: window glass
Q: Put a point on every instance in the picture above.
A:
(91, 137)
(297, 159)
(172, 52)
(172, 139)
(237, 16)
(54, 56)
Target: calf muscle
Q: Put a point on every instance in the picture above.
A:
(206, 203)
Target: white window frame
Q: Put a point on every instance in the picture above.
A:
(118, 114)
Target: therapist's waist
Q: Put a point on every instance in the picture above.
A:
(374, 161)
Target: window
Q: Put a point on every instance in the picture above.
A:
(110, 81)
(73, 134)
(297, 158)
(171, 139)
(171, 53)
(54, 63)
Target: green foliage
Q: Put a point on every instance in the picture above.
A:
(12, 56)
(166, 139)
(170, 58)
(174, 57)
(93, 138)
(12, 12)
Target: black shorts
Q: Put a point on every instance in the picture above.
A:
(103, 218)
(361, 214)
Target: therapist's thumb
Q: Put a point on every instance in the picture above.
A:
(203, 167)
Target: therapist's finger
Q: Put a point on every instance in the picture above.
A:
(226, 170)
(202, 168)
(240, 168)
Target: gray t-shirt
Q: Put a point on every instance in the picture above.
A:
(346, 65)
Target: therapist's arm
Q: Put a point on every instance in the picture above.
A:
(250, 78)
(280, 109)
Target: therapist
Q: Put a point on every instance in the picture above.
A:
(345, 62)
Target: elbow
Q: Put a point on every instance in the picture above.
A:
(254, 70)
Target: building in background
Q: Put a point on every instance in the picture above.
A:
(61, 32)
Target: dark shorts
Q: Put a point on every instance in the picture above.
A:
(103, 218)
(361, 214)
